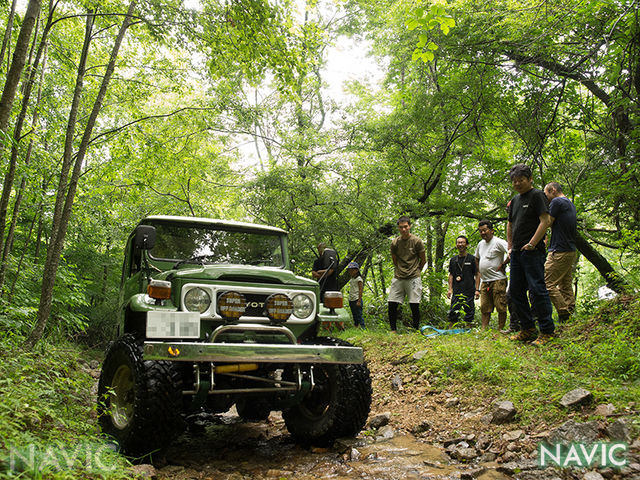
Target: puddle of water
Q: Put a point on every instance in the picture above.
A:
(402, 457)
(265, 451)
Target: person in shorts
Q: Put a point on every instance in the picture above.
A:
(408, 255)
(492, 257)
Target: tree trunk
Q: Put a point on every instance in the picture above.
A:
(17, 133)
(7, 34)
(58, 234)
(17, 65)
(614, 281)
(383, 285)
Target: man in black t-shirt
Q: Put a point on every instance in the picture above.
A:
(462, 283)
(325, 269)
(528, 223)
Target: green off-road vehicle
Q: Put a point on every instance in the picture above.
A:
(211, 316)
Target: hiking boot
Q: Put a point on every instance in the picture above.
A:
(542, 339)
(525, 335)
(563, 317)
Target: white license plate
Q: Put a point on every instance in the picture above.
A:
(173, 325)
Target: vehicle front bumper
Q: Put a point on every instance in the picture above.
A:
(254, 352)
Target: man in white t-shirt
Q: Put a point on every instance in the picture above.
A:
(492, 256)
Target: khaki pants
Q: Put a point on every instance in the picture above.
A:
(558, 272)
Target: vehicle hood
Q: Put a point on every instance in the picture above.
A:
(236, 273)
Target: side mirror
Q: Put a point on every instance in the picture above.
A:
(145, 237)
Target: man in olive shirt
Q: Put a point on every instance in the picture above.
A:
(408, 255)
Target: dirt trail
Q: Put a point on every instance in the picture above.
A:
(224, 447)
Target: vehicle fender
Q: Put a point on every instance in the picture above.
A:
(141, 302)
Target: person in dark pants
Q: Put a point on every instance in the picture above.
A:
(527, 225)
(356, 284)
(463, 276)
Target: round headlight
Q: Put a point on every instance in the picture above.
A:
(197, 300)
(279, 307)
(302, 306)
(232, 305)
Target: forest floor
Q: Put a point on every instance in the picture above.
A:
(434, 401)
(438, 428)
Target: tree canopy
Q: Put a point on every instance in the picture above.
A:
(115, 110)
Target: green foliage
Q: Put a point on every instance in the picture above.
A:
(425, 20)
(47, 406)
(69, 299)
(597, 351)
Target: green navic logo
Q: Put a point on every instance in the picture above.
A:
(583, 455)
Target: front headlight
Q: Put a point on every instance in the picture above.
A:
(197, 300)
(302, 305)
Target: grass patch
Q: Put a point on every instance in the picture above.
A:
(599, 351)
(47, 415)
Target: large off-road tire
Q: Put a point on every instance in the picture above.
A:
(337, 407)
(139, 402)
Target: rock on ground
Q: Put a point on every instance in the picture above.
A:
(576, 397)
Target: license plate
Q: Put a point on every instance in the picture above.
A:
(173, 325)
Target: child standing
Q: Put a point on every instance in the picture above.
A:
(355, 293)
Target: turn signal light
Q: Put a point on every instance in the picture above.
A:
(333, 300)
(159, 289)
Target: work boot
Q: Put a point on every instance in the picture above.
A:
(525, 335)
(542, 339)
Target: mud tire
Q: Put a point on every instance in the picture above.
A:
(337, 407)
(139, 402)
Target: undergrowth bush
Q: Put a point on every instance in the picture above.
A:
(597, 350)
(47, 414)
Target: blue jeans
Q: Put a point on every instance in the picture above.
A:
(356, 311)
(527, 274)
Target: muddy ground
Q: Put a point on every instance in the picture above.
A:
(424, 421)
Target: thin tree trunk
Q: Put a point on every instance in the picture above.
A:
(39, 215)
(67, 156)
(375, 283)
(20, 194)
(8, 180)
(7, 34)
(20, 262)
(382, 282)
(17, 65)
(614, 281)
(57, 241)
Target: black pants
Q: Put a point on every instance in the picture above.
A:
(462, 306)
(393, 314)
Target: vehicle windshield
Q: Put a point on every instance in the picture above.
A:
(208, 245)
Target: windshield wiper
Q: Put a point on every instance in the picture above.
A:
(197, 259)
